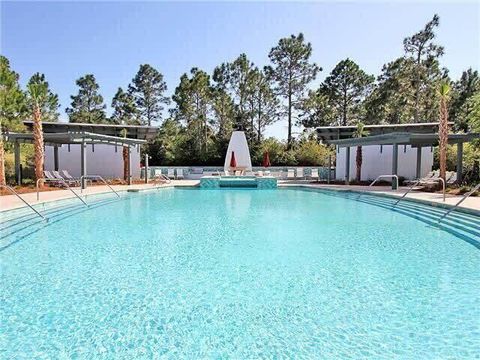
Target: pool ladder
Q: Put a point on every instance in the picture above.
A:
(12, 191)
(465, 196)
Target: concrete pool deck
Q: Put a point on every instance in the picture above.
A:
(8, 202)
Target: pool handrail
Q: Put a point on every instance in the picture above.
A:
(386, 176)
(12, 191)
(416, 183)
(465, 196)
(63, 182)
(97, 177)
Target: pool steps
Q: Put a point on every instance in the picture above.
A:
(20, 222)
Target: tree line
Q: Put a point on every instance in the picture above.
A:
(197, 120)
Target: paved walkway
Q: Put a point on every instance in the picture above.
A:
(8, 202)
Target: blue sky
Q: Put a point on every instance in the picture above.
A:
(66, 40)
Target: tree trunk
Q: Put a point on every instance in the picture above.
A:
(359, 160)
(126, 165)
(289, 138)
(38, 142)
(417, 88)
(2, 160)
(443, 137)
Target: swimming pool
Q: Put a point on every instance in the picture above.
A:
(240, 274)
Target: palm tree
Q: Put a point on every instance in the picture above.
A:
(443, 94)
(40, 100)
(126, 164)
(2, 158)
(359, 132)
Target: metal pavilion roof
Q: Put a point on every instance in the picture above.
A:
(404, 138)
(56, 139)
(327, 133)
(133, 131)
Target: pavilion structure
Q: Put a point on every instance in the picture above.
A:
(415, 140)
(58, 134)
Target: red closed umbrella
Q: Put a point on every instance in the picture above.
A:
(233, 162)
(266, 159)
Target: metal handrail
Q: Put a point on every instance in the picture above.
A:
(465, 196)
(62, 182)
(386, 176)
(97, 177)
(24, 201)
(418, 182)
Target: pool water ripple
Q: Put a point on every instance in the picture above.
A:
(240, 274)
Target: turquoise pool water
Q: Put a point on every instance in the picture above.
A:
(240, 274)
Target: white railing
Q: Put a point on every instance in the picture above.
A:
(465, 196)
(98, 177)
(424, 181)
(61, 181)
(12, 191)
(386, 176)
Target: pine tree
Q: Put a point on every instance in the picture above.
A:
(87, 106)
(148, 88)
(291, 72)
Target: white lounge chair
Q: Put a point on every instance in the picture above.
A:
(290, 174)
(314, 174)
(171, 173)
(267, 173)
(260, 173)
(300, 173)
(61, 178)
(180, 174)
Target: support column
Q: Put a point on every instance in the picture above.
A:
(129, 180)
(459, 162)
(18, 172)
(394, 166)
(146, 168)
(347, 165)
(329, 175)
(83, 163)
(418, 173)
(55, 158)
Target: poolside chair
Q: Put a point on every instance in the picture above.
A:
(452, 179)
(314, 174)
(267, 173)
(260, 173)
(66, 175)
(430, 176)
(300, 173)
(61, 178)
(52, 179)
(171, 173)
(180, 174)
(290, 174)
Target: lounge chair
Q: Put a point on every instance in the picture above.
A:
(452, 179)
(180, 174)
(267, 173)
(61, 178)
(171, 174)
(290, 174)
(300, 173)
(66, 175)
(260, 173)
(52, 179)
(432, 175)
(314, 174)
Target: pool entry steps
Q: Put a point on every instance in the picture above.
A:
(255, 182)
